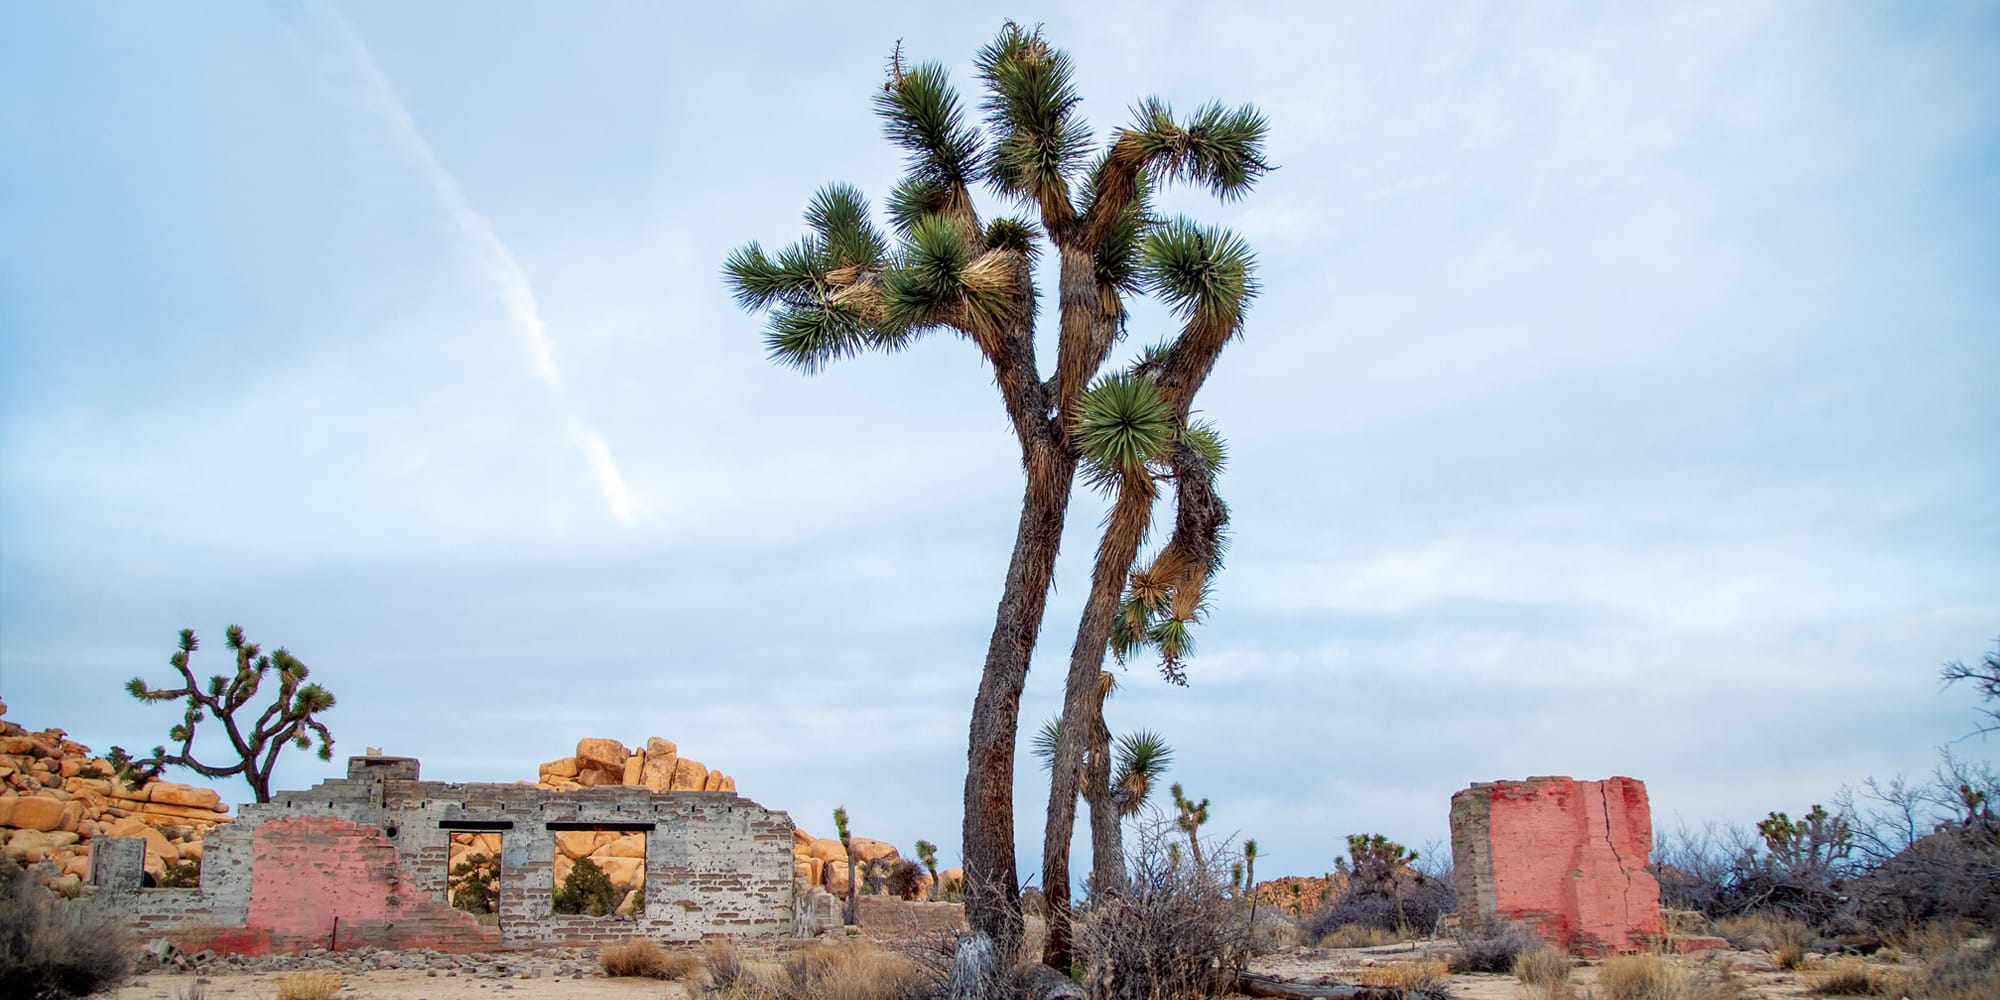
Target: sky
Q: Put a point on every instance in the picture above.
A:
(1623, 398)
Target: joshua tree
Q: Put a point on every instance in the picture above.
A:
(847, 845)
(1189, 816)
(291, 717)
(844, 289)
(1134, 433)
(927, 853)
(1375, 865)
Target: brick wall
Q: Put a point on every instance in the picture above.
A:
(1566, 856)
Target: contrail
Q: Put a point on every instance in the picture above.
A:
(495, 262)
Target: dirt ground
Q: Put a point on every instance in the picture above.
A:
(1752, 970)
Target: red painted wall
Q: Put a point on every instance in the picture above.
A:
(309, 870)
(1571, 857)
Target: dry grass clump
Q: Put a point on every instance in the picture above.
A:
(642, 958)
(1789, 955)
(1411, 977)
(852, 970)
(312, 984)
(1544, 970)
(1357, 936)
(54, 948)
(1652, 977)
(1764, 932)
(1641, 977)
(1851, 977)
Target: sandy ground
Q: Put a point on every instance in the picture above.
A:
(401, 984)
(1760, 982)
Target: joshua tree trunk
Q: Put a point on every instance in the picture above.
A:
(992, 886)
(1083, 705)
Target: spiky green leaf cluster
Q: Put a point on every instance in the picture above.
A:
(1206, 273)
(920, 112)
(1123, 422)
(1221, 148)
(1030, 106)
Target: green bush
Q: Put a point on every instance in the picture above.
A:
(181, 874)
(475, 884)
(586, 890)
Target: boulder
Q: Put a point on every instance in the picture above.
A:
(657, 773)
(867, 851)
(561, 767)
(800, 838)
(29, 846)
(602, 755)
(35, 813)
(713, 783)
(689, 776)
(575, 843)
(728, 785)
(592, 777)
(158, 846)
(187, 796)
(834, 877)
(630, 845)
(829, 849)
(622, 871)
(633, 765)
(629, 904)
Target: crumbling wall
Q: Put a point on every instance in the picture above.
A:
(1566, 856)
(363, 860)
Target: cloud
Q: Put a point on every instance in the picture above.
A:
(494, 261)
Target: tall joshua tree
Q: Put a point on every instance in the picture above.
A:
(847, 847)
(292, 717)
(1134, 433)
(846, 288)
(1190, 816)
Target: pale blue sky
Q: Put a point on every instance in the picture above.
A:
(1623, 399)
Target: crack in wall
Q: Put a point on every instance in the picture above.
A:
(1604, 797)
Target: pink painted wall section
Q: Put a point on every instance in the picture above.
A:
(309, 870)
(1570, 856)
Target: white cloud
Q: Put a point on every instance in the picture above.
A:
(493, 259)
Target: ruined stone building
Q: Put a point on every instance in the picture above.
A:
(364, 860)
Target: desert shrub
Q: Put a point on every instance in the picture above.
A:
(1543, 968)
(50, 948)
(1410, 900)
(1270, 931)
(1963, 974)
(312, 984)
(1495, 948)
(181, 874)
(586, 889)
(1789, 955)
(1175, 930)
(906, 880)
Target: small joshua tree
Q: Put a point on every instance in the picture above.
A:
(291, 717)
(1374, 866)
(847, 844)
(927, 853)
(1190, 816)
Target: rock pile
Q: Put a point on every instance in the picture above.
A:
(55, 797)
(659, 767)
(822, 861)
(1302, 895)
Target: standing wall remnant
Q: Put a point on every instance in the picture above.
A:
(1568, 857)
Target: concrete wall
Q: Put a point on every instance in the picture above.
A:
(1566, 856)
(370, 852)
